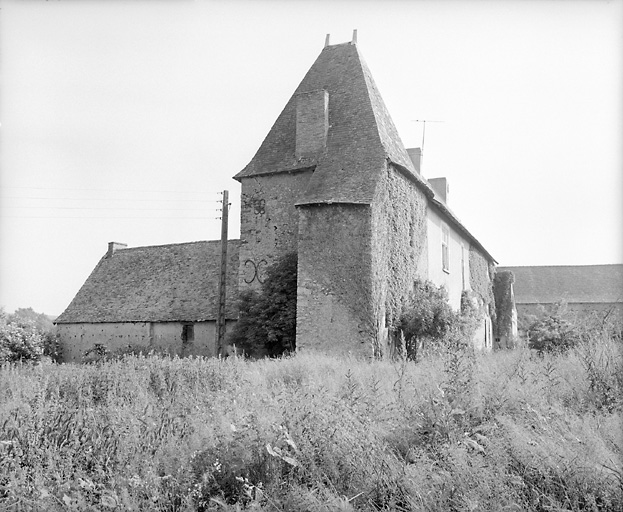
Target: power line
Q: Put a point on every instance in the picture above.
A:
(116, 208)
(111, 199)
(141, 190)
(104, 218)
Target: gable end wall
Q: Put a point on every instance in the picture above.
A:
(268, 222)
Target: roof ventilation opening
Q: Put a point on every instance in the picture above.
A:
(113, 247)
(312, 123)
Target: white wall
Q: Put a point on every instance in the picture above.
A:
(457, 278)
(76, 339)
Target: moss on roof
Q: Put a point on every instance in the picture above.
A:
(584, 284)
(360, 140)
(166, 283)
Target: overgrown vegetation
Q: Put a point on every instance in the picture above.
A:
(267, 322)
(26, 336)
(458, 431)
(428, 319)
(557, 329)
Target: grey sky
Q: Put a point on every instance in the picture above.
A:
(142, 111)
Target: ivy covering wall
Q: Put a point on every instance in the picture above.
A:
(399, 216)
(504, 303)
(481, 275)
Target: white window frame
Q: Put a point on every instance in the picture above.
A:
(445, 248)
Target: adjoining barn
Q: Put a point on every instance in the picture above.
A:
(159, 297)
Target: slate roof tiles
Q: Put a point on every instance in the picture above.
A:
(584, 284)
(166, 283)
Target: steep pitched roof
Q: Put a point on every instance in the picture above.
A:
(165, 283)
(360, 140)
(574, 284)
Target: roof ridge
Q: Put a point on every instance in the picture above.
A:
(565, 265)
(126, 249)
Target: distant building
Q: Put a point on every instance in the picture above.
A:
(585, 288)
(333, 182)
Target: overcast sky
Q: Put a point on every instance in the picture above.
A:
(121, 120)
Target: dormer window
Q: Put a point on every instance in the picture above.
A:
(445, 248)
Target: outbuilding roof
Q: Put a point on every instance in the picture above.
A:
(584, 284)
(165, 283)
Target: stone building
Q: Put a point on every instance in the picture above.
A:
(160, 297)
(586, 289)
(333, 182)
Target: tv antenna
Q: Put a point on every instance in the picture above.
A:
(424, 121)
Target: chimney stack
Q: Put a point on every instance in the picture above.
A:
(416, 157)
(312, 123)
(113, 247)
(441, 188)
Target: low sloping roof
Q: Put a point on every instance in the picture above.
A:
(165, 283)
(361, 136)
(571, 283)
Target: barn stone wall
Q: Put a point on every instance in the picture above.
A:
(161, 337)
(399, 245)
(334, 309)
(268, 222)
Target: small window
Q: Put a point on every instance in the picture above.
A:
(463, 269)
(445, 252)
(188, 333)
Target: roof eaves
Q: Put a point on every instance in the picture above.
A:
(458, 224)
(290, 170)
(423, 185)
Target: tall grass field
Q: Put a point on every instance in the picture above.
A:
(458, 431)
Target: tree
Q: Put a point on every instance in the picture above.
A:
(28, 317)
(267, 319)
(26, 335)
(18, 343)
(553, 331)
(427, 316)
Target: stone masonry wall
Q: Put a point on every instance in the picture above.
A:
(398, 250)
(268, 222)
(334, 310)
(159, 336)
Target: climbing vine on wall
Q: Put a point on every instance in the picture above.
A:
(502, 289)
(404, 214)
(481, 275)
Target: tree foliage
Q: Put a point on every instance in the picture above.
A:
(27, 336)
(19, 343)
(553, 330)
(267, 319)
(427, 316)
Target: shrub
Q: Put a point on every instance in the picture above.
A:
(553, 331)
(428, 317)
(267, 321)
(20, 343)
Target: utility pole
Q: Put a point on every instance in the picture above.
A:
(222, 294)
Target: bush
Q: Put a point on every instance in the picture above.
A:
(20, 343)
(428, 316)
(553, 331)
(267, 321)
